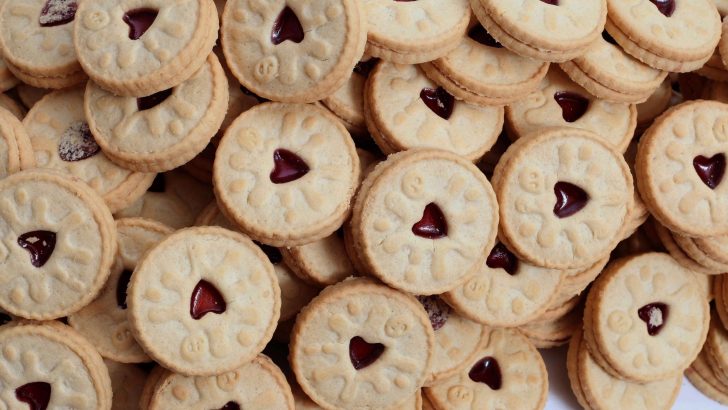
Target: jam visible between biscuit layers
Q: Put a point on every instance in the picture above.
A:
(487, 371)
(666, 7)
(573, 106)
(286, 27)
(36, 395)
(439, 101)
(139, 21)
(40, 245)
(654, 315)
(710, 170)
(77, 143)
(570, 199)
(287, 167)
(501, 257)
(57, 13)
(206, 299)
(363, 353)
(433, 224)
(231, 405)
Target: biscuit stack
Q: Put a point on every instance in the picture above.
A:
(361, 204)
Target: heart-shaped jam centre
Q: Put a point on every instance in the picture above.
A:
(57, 13)
(608, 38)
(654, 315)
(231, 405)
(439, 101)
(573, 106)
(77, 143)
(139, 21)
(286, 27)
(36, 395)
(433, 224)
(151, 101)
(363, 353)
(206, 299)
(570, 199)
(479, 34)
(121, 288)
(501, 258)
(487, 370)
(436, 309)
(40, 245)
(159, 184)
(710, 170)
(274, 255)
(666, 7)
(551, 2)
(363, 68)
(287, 167)
(4, 319)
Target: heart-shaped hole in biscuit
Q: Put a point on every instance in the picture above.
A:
(433, 224)
(487, 371)
(40, 245)
(206, 299)
(501, 257)
(363, 353)
(139, 21)
(439, 101)
(573, 106)
(570, 199)
(286, 27)
(287, 167)
(57, 13)
(35, 394)
(654, 315)
(151, 101)
(710, 170)
(666, 7)
(437, 310)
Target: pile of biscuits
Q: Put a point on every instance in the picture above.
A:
(361, 204)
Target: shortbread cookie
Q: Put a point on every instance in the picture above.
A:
(675, 35)
(609, 73)
(200, 167)
(507, 370)
(323, 262)
(680, 165)
(716, 349)
(714, 68)
(559, 102)
(16, 153)
(285, 173)
(36, 38)
(234, 301)
(556, 193)
(295, 292)
(258, 384)
(239, 98)
(546, 334)
(600, 390)
(138, 49)
(575, 281)
(405, 110)
(48, 365)
(646, 318)
(481, 69)
(175, 199)
(104, 321)
(456, 338)
(127, 383)
(295, 51)
(703, 377)
(543, 30)
(414, 32)
(164, 130)
(668, 241)
(347, 102)
(424, 220)
(506, 291)
(62, 140)
(357, 337)
(655, 105)
(59, 244)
